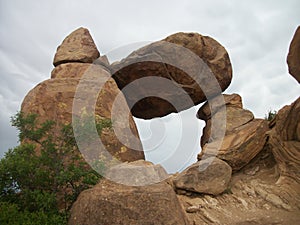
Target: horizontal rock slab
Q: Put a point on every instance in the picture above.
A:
(209, 176)
(113, 203)
(137, 173)
(192, 68)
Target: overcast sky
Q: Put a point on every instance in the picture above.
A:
(255, 33)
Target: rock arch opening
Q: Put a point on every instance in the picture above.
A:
(165, 141)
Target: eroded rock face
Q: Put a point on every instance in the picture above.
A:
(112, 203)
(176, 59)
(228, 113)
(77, 47)
(293, 58)
(244, 136)
(53, 100)
(209, 176)
(284, 139)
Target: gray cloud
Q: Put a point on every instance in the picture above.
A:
(255, 33)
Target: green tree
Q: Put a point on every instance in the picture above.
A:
(43, 176)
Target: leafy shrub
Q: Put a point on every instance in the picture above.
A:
(270, 115)
(45, 170)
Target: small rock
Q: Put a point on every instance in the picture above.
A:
(78, 46)
(210, 176)
(192, 209)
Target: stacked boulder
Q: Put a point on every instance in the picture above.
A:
(243, 137)
(53, 99)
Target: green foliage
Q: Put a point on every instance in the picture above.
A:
(11, 214)
(43, 171)
(270, 115)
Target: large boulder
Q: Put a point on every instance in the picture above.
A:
(197, 67)
(209, 176)
(77, 47)
(53, 100)
(293, 58)
(113, 203)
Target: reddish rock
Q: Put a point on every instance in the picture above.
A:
(228, 113)
(293, 58)
(112, 203)
(53, 100)
(284, 139)
(176, 59)
(209, 176)
(76, 47)
(137, 173)
(240, 145)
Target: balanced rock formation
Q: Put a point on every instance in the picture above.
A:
(77, 47)
(293, 58)
(54, 99)
(209, 176)
(238, 138)
(113, 203)
(191, 68)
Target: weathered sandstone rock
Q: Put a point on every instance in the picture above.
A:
(240, 145)
(112, 203)
(212, 179)
(137, 173)
(186, 79)
(293, 58)
(76, 47)
(53, 100)
(284, 139)
(225, 117)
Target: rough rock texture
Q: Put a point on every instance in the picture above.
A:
(53, 100)
(77, 47)
(265, 190)
(293, 58)
(241, 144)
(112, 203)
(209, 176)
(176, 59)
(233, 100)
(284, 140)
(137, 173)
(228, 114)
(253, 197)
